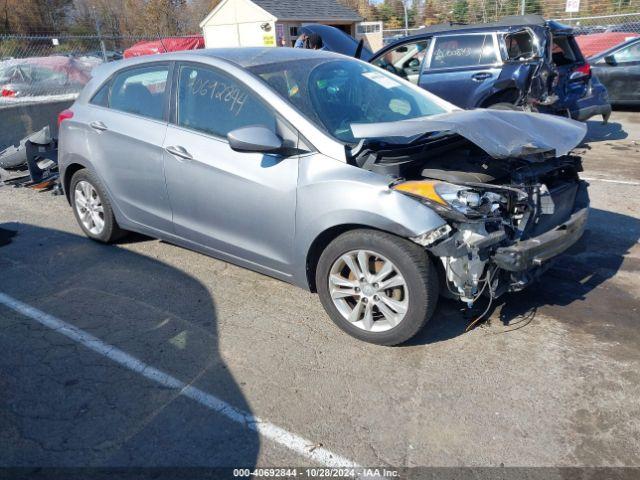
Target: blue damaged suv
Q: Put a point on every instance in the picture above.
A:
(521, 62)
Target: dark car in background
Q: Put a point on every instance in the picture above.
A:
(618, 68)
(520, 62)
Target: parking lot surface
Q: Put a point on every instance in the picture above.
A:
(553, 379)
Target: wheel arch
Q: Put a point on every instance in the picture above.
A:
(321, 242)
(69, 172)
(508, 95)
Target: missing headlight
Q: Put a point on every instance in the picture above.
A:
(431, 237)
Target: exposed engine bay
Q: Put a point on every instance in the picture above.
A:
(507, 216)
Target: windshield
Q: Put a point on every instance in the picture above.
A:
(334, 94)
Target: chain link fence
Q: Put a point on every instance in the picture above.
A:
(36, 66)
(42, 75)
(589, 16)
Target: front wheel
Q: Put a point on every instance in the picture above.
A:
(377, 287)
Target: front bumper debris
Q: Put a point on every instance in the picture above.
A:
(532, 253)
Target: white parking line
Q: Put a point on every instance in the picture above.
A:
(606, 180)
(268, 430)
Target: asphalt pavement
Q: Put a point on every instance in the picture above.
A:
(552, 379)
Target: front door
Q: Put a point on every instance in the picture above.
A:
(462, 68)
(622, 75)
(238, 204)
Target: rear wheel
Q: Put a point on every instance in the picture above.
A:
(377, 287)
(92, 208)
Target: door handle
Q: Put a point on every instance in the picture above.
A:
(98, 125)
(179, 152)
(481, 76)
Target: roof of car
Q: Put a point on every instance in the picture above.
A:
(254, 56)
(245, 57)
(505, 22)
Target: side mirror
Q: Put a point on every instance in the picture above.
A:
(610, 60)
(257, 139)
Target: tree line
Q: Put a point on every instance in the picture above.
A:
(179, 17)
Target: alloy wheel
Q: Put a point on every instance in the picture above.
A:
(368, 290)
(89, 207)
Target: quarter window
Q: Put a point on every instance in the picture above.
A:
(139, 91)
(101, 98)
(454, 51)
(214, 103)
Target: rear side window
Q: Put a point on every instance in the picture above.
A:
(520, 45)
(138, 90)
(213, 103)
(453, 51)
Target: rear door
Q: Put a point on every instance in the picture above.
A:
(620, 73)
(127, 125)
(462, 68)
(236, 203)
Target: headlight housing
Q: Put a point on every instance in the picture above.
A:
(468, 201)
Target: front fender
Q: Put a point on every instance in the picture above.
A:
(332, 194)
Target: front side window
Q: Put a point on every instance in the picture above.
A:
(334, 94)
(455, 51)
(213, 103)
(628, 54)
(140, 91)
(405, 60)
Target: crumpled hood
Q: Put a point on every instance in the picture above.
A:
(500, 133)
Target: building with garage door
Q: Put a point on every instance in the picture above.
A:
(251, 23)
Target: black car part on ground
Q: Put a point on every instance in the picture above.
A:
(39, 154)
(15, 156)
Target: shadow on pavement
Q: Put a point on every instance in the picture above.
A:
(571, 282)
(599, 132)
(63, 405)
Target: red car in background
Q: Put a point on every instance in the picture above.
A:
(595, 43)
(164, 45)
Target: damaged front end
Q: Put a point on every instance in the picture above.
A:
(510, 206)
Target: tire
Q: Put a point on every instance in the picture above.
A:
(507, 106)
(417, 296)
(79, 192)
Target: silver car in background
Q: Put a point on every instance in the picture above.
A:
(325, 172)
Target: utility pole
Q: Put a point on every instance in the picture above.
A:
(522, 6)
(406, 17)
(102, 49)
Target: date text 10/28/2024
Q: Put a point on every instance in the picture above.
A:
(319, 472)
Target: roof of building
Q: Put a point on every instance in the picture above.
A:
(314, 10)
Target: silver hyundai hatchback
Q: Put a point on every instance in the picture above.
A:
(325, 172)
